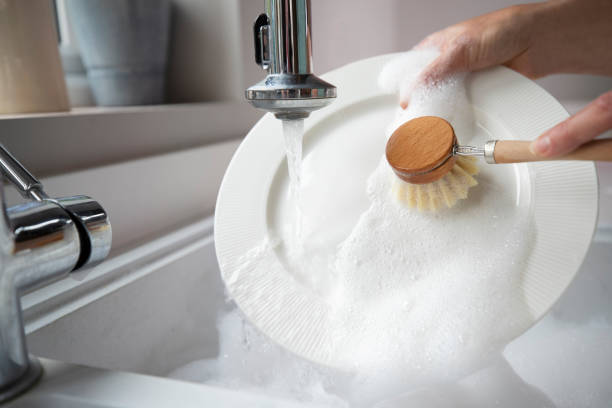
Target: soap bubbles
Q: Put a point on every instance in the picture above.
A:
(415, 298)
(422, 304)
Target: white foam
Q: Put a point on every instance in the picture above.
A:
(417, 298)
(423, 293)
(564, 361)
(249, 361)
(400, 74)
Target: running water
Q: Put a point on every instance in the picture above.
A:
(293, 131)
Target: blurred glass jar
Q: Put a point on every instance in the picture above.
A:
(31, 76)
(77, 84)
(124, 45)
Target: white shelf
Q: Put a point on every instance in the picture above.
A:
(60, 142)
(121, 110)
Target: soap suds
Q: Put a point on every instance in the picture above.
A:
(418, 295)
(249, 361)
(564, 361)
(414, 299)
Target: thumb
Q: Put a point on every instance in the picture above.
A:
(587, 124)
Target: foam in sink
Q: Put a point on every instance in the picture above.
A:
(564, 361)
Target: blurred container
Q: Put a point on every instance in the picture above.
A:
(79, 91)
(31, 76)
(124, 46)
(77, 83)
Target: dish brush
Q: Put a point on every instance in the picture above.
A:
(433, 170)
(446, 191)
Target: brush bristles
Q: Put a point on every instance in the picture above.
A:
(447, 191)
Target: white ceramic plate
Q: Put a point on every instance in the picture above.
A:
(562, 196)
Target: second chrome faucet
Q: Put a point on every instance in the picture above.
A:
(41, 241)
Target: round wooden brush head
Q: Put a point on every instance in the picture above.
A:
(421, 150)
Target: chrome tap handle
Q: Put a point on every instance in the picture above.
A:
(89, 217)
(20, 177)
(94, 227)
(261, 34)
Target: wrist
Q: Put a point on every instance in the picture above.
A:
(571, 36)
(544, 21)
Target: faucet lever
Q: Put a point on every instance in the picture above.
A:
(92, 224)
(27, 185)
(89, 217)
(261, 33)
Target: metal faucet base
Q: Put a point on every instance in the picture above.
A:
(291, 96)
(290, 109)
(40, 241)
(24, 383)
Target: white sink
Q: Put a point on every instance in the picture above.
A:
(131, 321)
(127, 324)
(68, 385)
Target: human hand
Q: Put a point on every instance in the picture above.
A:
(500, 37)
(534, 40)
(584, 126)
(538, 39)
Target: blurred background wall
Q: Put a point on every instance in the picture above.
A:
(348, 30)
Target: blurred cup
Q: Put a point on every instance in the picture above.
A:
(124, 45)
(31, 76)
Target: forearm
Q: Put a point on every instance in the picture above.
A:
(573, 36)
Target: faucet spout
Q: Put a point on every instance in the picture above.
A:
(283, 47)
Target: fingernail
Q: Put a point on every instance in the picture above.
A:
(541, 146)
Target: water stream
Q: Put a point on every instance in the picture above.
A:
(293, 132)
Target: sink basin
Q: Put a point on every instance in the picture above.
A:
(122, 327)
(69, 385)
(117, 342)
(52, 401)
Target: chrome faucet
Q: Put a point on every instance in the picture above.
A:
(40, 241)
(283, 47)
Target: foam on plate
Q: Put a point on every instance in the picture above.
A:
(418, 298)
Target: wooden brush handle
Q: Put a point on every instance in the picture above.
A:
(515, 151)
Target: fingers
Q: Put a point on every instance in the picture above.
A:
(587, 124)
(432, 40)
(447, 64)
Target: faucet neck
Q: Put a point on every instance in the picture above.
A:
(283, 47)
(290, 45)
